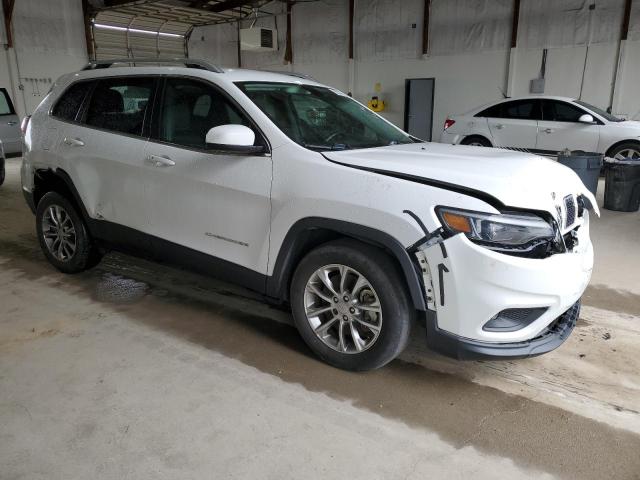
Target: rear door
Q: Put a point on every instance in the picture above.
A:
(9, 124)
(103, 149)
(560, 128)
(514, 124)
(213, 202)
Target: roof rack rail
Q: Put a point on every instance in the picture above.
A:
(187, 62)
(292, 74)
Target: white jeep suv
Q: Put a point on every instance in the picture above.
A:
(295, 190)
(545, 125)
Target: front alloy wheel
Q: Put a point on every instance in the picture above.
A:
(351, 306)
(343, 309)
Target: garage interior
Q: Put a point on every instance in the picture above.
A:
(140, 370)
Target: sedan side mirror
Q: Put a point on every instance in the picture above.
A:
(586, 118)
(233, 139)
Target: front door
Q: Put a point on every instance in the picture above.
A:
(560, 129)
(419, 107)
(212, 202)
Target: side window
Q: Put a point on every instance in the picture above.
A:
(6, 107)
(120, 104)
(69, 103)
(556, 111)
(516, 109)
(190, 108)
(522, 110)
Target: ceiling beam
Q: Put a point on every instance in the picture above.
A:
(625, 20)
(288, 49)
(224, 5)
(87, 13)
(7, 8)
(426, 20)
(514, 23)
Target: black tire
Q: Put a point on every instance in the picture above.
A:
(626, 146)
(384, 276)
(2, 171)
(86, 254)
(476, 140)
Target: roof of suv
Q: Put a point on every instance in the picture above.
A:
(226, 74)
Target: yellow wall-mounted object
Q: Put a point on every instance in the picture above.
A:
(376, 104)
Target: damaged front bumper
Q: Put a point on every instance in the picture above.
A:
(469, 286)
(460, 348)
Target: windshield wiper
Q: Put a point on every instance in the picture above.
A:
(320, 148)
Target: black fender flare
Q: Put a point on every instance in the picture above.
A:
(293, 249)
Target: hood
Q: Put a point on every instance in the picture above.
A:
(519, 180)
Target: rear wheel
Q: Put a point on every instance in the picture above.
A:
(2, 172)
(626, 150)
(476, 141)
(63, 236)
(350, 305)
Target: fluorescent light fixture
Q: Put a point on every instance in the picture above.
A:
(136, 30)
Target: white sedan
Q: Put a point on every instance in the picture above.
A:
(545, 125)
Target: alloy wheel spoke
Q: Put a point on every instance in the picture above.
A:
(326, 281)
(341, 343)
(319, 310)
(369, 307)
(322, 329)
(357, 341)
(319, 293)
(369, 325)
(52, 216)
(360, 283)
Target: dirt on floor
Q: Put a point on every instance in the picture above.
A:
(137, 370)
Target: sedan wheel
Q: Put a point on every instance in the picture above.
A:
(632, 153)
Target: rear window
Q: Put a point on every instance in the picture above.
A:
(6, 107)
(67, 107)
(120, 104)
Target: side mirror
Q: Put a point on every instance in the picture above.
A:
(586, 118)
(232, 138)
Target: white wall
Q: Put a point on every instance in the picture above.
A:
(49, 41)
(469, 55)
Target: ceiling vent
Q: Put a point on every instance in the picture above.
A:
(258, 39)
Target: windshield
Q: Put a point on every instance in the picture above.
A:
(320, 118)
(602, 113)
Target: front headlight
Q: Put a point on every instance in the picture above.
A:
(508, 230)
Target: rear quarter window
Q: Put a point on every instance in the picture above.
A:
(67, 107)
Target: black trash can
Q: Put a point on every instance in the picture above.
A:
(622, 185)
(586, 164)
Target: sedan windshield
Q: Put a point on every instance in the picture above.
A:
(321, 118)
(602, 113)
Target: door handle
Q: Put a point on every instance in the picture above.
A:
(499, 126)
(548, 130)
(159, 161)
(12, 123)
(75, 142)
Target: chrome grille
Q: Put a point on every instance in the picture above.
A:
(569, 210)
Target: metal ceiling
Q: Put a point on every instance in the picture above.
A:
(155, 28)
(190, 12)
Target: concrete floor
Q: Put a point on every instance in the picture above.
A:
(135, 370)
